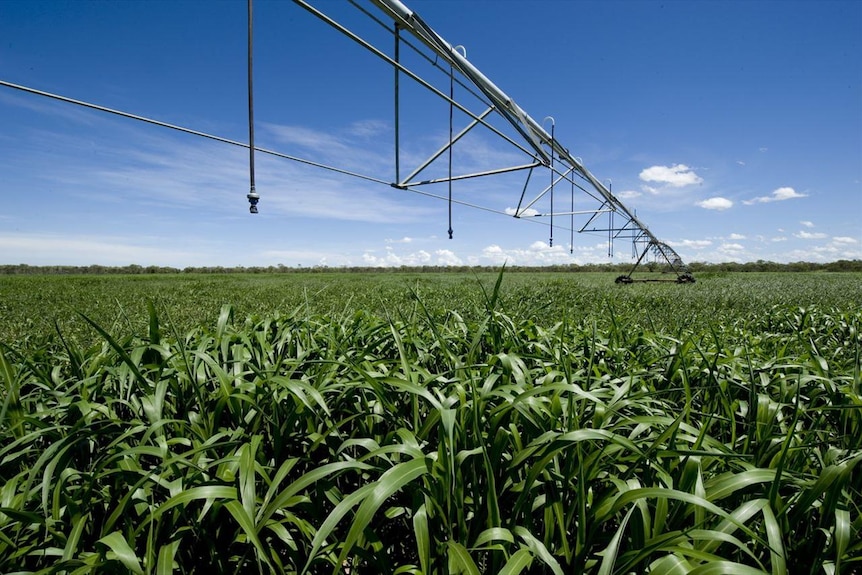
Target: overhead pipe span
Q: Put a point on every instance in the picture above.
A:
(532, 131)
(526, 125)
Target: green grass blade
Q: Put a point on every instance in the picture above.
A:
(460, 562)
(205, 492)
(610, 553)
(78, 525)
(389, 483)
(423, 538)
(167, 552)
(11, 400)
(725, 568)
(124, 356)
(538, 549)
(775, 540)
(519, 561)
(122, 552)
(245, 521)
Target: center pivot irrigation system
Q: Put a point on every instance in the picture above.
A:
(483, 107)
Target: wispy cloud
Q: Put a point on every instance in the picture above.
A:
(717, 203)
(52, 108)
(135, 166)
(845, 240)
(368, 128)
(307, 138)
(63, 249)
(356, 147)
(628, 194)
(807, 224)
(810, 236)
(778, 195)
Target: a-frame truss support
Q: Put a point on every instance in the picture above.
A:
(607, 214)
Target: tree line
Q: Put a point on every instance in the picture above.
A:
(695, 267)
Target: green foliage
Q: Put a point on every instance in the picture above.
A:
(435, 426)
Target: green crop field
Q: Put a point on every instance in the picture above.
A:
(434, 423)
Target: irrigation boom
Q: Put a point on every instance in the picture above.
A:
(520, 130)
(546, 147)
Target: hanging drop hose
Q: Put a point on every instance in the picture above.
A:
(553, 125)
(572, 224)
(451, 110)
(252, 196)
(551, 241)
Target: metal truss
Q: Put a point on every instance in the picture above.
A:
(482, 104)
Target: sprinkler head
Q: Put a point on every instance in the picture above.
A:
(253, 199)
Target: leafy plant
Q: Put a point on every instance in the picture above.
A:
(428, 438)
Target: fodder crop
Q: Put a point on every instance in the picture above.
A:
(425, 440)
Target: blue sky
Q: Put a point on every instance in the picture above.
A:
(733, 128)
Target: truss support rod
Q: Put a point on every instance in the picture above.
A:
(550, 188)
(572, 213)
(553, 126)
(610, 234)
(572, 222)
(519, 119)
(404, 70)
(467, 176)
(442, 150)
(451, 143)
(599, 211)
(397, 69)
(523, 191)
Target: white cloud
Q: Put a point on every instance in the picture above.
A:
(447, 258)
(528, 213)
(695, 244)
(717, 203)
(844, 240)
(678, 175)
(440, 257)
(391, 259)
(778, 195)
(807, 224)
(404, 240)
(778, 239)
(786, 194)
(736, 237)
(540, 253)
(810, 236)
